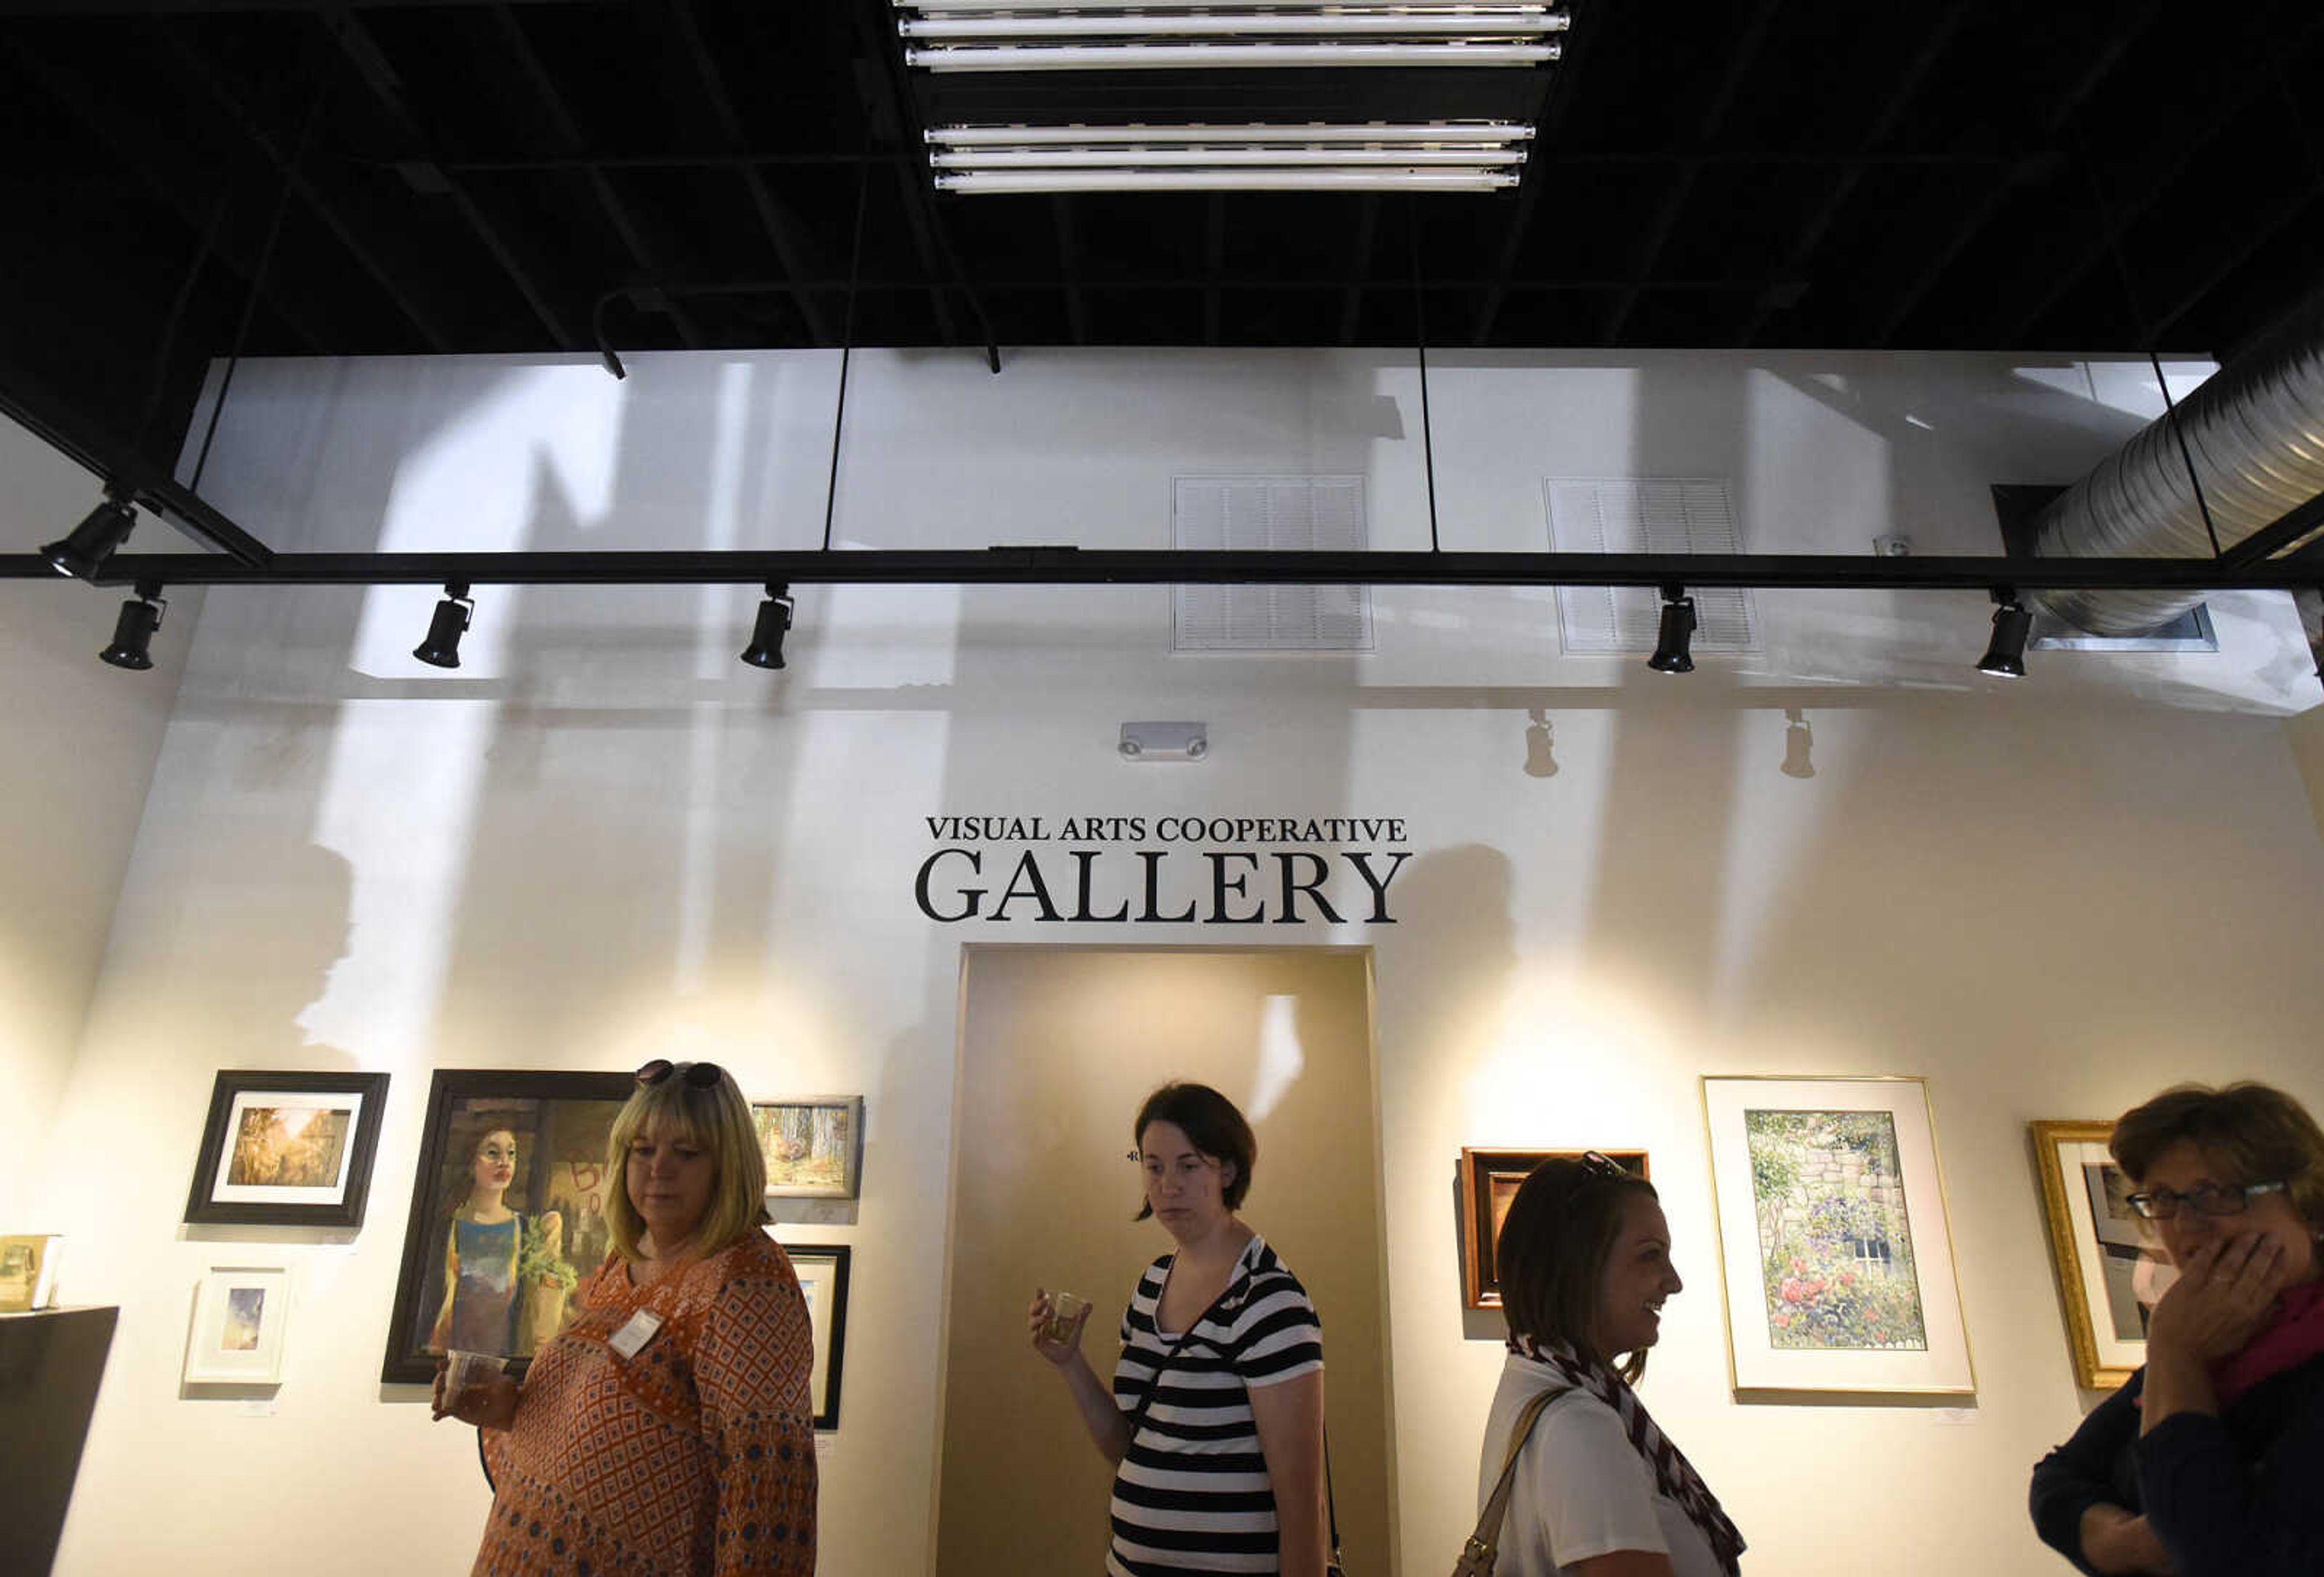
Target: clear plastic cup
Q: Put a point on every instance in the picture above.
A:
(1065, 1310)
(464, 1371)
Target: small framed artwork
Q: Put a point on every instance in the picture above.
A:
(1834, 1245)
(287, 1149)
(28, 1271)
(2110, 1267)
(1489, 1180)
(823, 1280)
(241, 1317)
(813, 1146)
(507, 1214)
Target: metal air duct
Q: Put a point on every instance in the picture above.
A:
(2255, 432)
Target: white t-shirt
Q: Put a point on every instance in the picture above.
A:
(1582, 1488)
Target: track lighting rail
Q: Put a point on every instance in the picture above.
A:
(1068, 565)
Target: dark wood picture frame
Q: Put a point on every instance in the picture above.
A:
(1485, 1174)
(204, 1208)
(451, 1094)
(830, 1355)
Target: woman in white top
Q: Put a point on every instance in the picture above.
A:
(1584, 1267)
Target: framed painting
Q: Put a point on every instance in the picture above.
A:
(287, 1149)
(28, 1271)
(2111, 1266)
(1489, 1180)
(507, 1213)
(1834, 1245)
(823, 1280)
(813, 1146)
(241, 1315)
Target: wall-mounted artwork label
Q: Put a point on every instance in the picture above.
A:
(1169, 869)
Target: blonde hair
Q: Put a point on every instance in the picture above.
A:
(713, 1118)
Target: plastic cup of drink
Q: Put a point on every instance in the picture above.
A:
(1065, 1310)
(466, 1370)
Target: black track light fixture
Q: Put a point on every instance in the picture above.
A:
(442, 647)
(2012, 623)
(1676, 634)
(83, 551)
(774, 622)
(132, 632)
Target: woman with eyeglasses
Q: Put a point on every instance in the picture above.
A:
(1594, 1488)
(1214, 1421)
(669, 1428)
(2210, 1460)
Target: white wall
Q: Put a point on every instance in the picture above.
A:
(604, 837)
(81, 740)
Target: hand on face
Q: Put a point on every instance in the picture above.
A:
(2225, 1291)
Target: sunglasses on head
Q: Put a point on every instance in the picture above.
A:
(1599, 1164)
(699, 1076)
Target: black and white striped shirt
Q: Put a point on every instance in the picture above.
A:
(1193, 1494)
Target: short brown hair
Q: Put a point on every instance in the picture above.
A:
(713, 1118)
(2264, 1134)
(1551, 1258)
(1210, 1123)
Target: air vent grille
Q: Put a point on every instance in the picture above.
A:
(1635, 514)
(1279, 513)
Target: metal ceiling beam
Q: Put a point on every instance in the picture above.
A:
(78, 9)
(1666, 219)
(1068, 565)
(779, 235)
(1360, 262)
(2120, 36)
(1069, 266)
(167, 172)
(370, 66)
(551, 99)
(1896, 97)
(2166, 167)
(308, 194)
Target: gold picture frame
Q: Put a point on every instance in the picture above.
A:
(2106, 1260)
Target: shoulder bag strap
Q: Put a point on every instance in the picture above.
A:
(1477, 1557)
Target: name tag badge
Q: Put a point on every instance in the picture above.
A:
(631, 1338)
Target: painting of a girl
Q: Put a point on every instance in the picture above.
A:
(484, 1308)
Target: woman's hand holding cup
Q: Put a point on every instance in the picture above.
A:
(1055, 1322)
(472, 1388)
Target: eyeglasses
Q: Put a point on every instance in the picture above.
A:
(2210, 1199)
(699, 1076)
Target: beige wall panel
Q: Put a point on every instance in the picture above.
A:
(1059, 1047)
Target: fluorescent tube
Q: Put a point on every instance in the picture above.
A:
(1447, 132)
(1148, 56)
(1222, 158)
(1053, 180)
(1497, 25)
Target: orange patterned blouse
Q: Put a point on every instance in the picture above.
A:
(696, 1455)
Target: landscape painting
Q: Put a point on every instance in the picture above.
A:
(1832, 1232)
(813, 1146)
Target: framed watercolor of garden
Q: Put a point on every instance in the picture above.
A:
(1834, 1245)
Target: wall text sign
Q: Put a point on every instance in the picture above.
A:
(1171, 869)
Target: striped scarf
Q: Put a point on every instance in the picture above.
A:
(1674, 1476)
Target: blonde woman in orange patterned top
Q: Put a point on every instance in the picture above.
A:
(668, 1428)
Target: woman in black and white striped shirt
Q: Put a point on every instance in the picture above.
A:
(1215, 1418)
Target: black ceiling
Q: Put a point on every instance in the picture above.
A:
(468, 175)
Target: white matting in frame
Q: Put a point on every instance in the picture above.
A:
(1835, 1250)
(242, 1317)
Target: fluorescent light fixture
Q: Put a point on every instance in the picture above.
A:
(1492, 24)
(1223, 158)
(1441, 133)
(1201, 56)
(973, 7)
(1033, 181)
